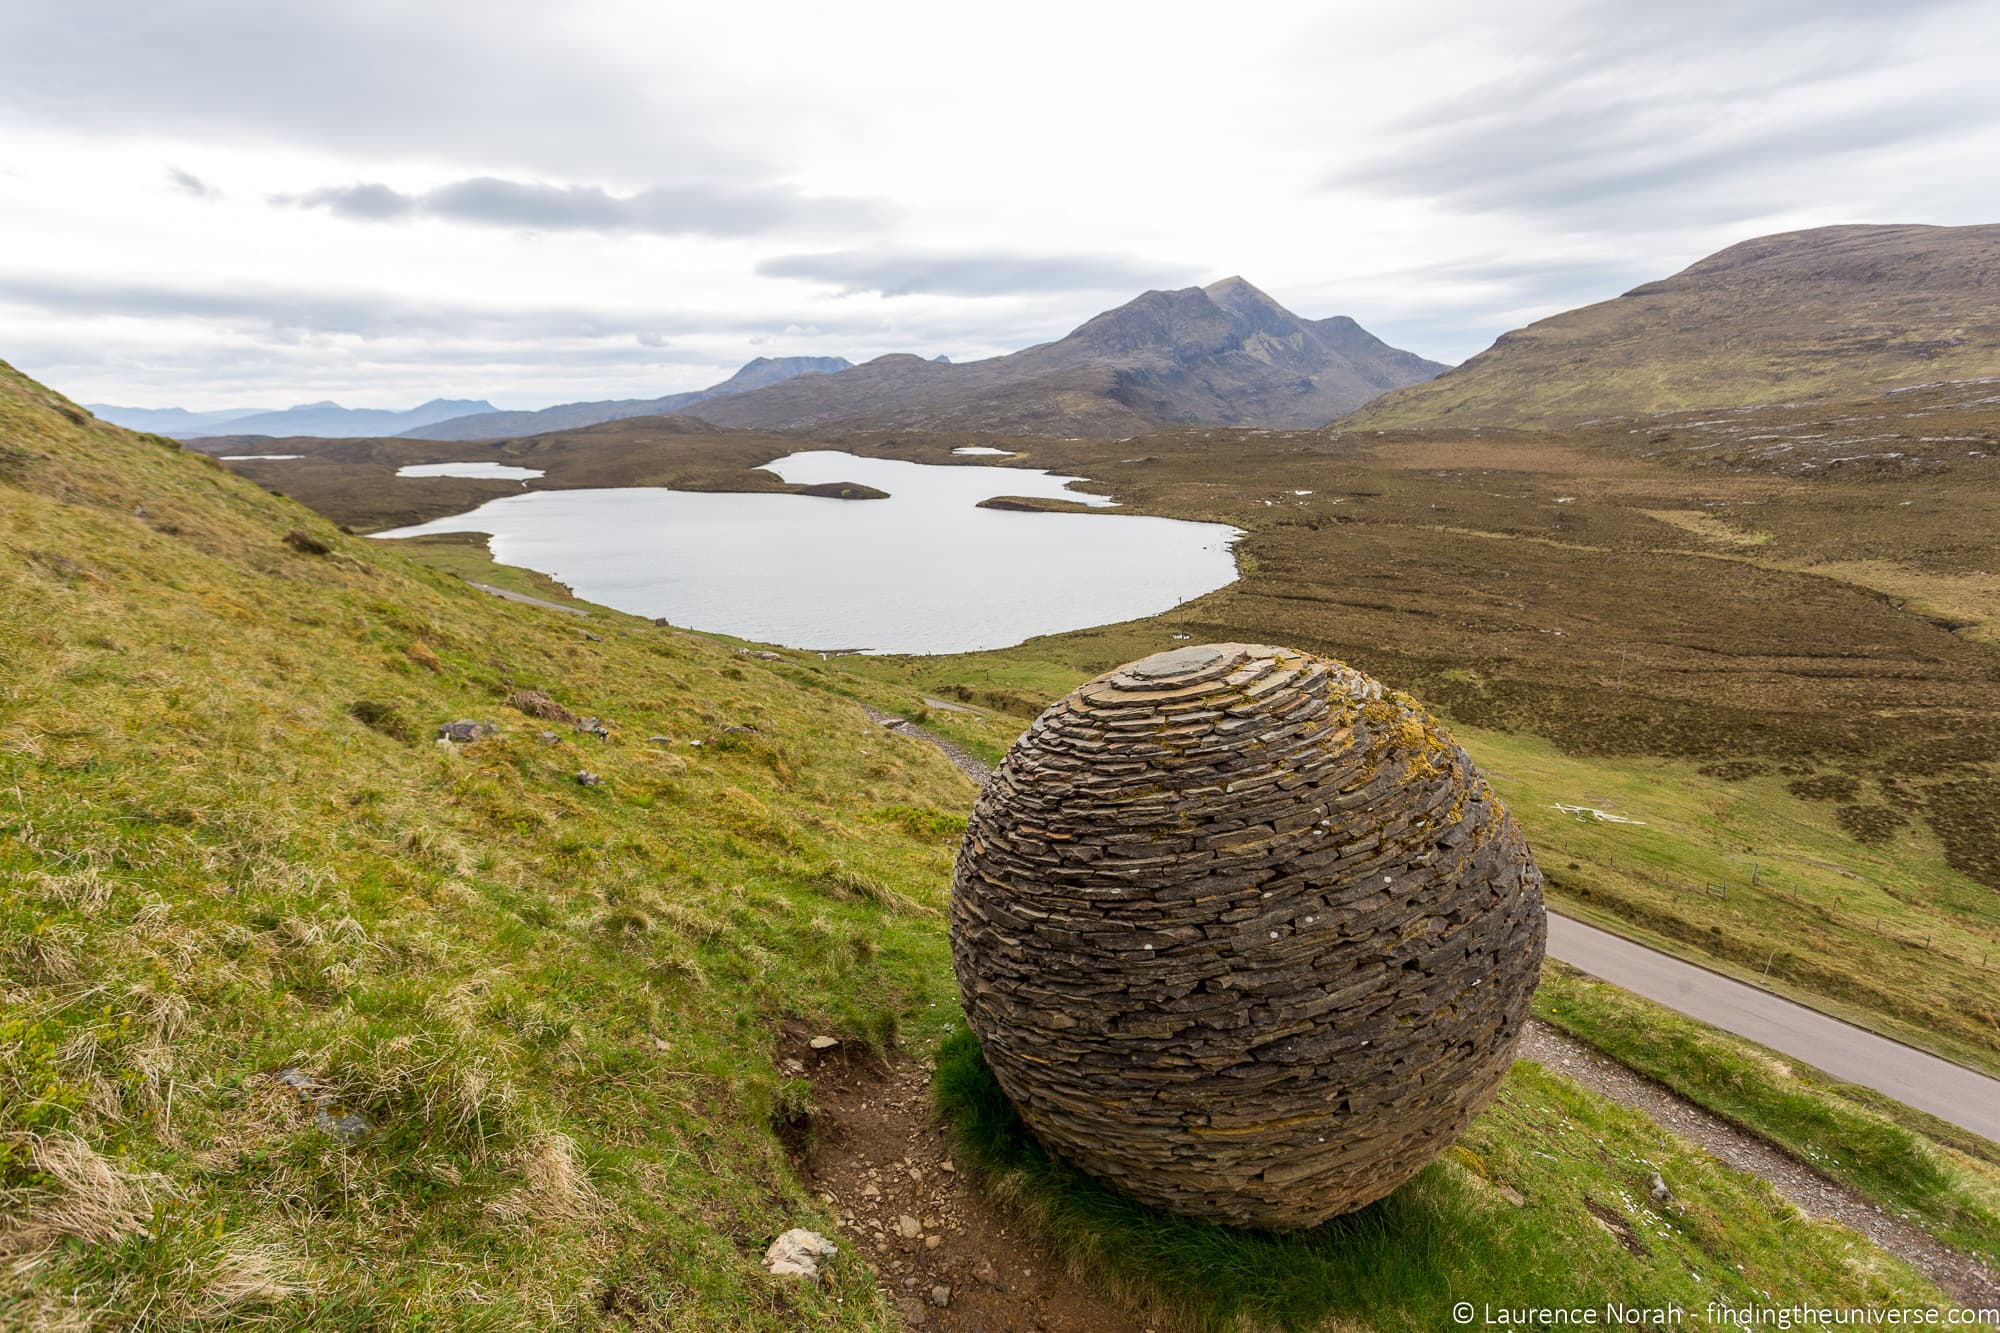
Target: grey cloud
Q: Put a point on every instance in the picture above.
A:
(1673, 115)
(497, 83)
(370, 203)
(895, 272)
(294, 313)
(189, 183)
(700, 209)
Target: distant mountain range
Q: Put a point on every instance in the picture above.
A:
(328, 420)
(1835, 312)
(1225, 355)
(757, 374)
(177, 422)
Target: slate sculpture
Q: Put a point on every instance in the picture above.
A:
(1245, 934)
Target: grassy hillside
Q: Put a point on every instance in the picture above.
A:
(310, 1021)
(1833, 312)
(230, 847)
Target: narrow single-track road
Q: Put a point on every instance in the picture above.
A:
(1966, 1098)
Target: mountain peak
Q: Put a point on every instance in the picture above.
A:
(1234, 291)
(1225, 354)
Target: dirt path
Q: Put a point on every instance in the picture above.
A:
(968, 763)
(510, 595)
(950, 1258)
(1959, 1275)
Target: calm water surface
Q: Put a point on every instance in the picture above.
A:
(924, 571)
(489, 471)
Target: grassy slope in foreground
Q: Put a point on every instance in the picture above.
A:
(1833, 311)
(229, 847)
(555, 1004)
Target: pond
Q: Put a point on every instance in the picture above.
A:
(483, 471)
(924, 571)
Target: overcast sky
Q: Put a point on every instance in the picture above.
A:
(258, 202)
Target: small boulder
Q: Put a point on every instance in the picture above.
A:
(824, 1043)
(594, 726)
(798, 1253)
(464, 732)
(940, 1295)
(298, 1080)
(586, 778)
(908, 1227)
(350, 1127)
(537, 704)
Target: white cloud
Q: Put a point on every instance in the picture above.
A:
(625, 199)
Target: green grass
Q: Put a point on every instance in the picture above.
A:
(466, 555)
(1944, 1180)
(230, 847)
(1542, 1203)
(1885, 934)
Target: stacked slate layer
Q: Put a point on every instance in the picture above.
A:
(1245, 935)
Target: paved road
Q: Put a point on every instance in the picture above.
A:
(1948, 1091)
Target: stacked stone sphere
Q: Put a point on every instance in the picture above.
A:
(1245, 935)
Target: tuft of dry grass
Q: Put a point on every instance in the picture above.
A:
(555, 1182)
(78, 1194)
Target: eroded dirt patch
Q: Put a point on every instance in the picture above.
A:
(950, 1259)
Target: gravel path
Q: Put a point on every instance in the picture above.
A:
(526, 600)
(1960, 1276)
(968, 763)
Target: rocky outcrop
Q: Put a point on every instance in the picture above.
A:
(1245, 935)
